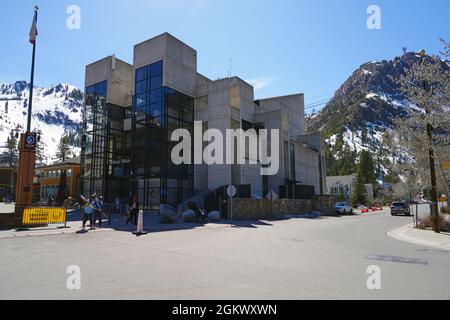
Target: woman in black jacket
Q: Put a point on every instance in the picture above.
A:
(134, 210)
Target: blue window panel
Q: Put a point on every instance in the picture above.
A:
(156, 95)
(141, 74)
(155, 109)
(141, 100)
(101, 88)
(156, 69)
(156, 82)
(90, 90)
(141, 87)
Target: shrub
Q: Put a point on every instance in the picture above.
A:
(428, 222)
(445, 210)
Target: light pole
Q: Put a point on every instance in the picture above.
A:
(434, 196)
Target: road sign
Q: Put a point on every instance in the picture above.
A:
(29, 141)
(272, 196)
(231, 191)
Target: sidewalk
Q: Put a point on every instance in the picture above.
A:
(426, 238)
(118, 224)
(151, 225)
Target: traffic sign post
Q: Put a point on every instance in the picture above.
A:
(272, 196)
(231, 192)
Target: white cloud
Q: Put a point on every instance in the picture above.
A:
(261, 82)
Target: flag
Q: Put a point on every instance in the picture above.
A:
(33, 30)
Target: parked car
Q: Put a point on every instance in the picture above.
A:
(343, 208)
(400, 208)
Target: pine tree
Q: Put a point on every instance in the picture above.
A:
(359, 189)
(11, 155)
(63, 151)
(39, 149)
(364, 134)
(367, 166)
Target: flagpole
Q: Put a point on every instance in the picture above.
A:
(30, 99)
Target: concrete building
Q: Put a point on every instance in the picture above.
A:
(343, 186)
(131, 112)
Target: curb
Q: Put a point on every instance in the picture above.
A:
(400, 234)
(43, 233)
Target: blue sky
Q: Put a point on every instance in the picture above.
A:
(285, 47)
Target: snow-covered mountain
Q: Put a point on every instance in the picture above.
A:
(57, 111)
(361, 113)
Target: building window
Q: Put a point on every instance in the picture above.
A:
(292, 161)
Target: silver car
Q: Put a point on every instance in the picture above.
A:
(343, 208)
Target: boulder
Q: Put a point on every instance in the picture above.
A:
(189, 216)
(214, 216)
(166, 219)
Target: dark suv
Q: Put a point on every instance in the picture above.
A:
(400, 208)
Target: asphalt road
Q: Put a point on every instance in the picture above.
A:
(290, 259)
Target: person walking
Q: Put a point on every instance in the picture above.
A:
(129, 205)
(87, 212)
(98, 210)
(134, 210)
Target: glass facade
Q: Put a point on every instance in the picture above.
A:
(129, 149)
(106, 146)
(157, 112)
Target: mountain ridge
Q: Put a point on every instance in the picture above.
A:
(57, 111)
(360, 115)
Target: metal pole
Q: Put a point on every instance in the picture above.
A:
(30, 99)
(231, 208)
(417, 215)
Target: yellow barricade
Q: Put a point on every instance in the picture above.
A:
(446, 165)
(40, 216)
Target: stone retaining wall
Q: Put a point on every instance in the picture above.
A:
(262, 209)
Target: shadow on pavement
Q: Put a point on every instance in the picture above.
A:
(152, 224)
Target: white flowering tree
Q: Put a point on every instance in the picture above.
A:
(427, 85)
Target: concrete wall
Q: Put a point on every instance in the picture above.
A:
(316, 142)
(293, 105)
(274, 120)
(180, 61)
(120, 77)
(221, 104)
(307, 167)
